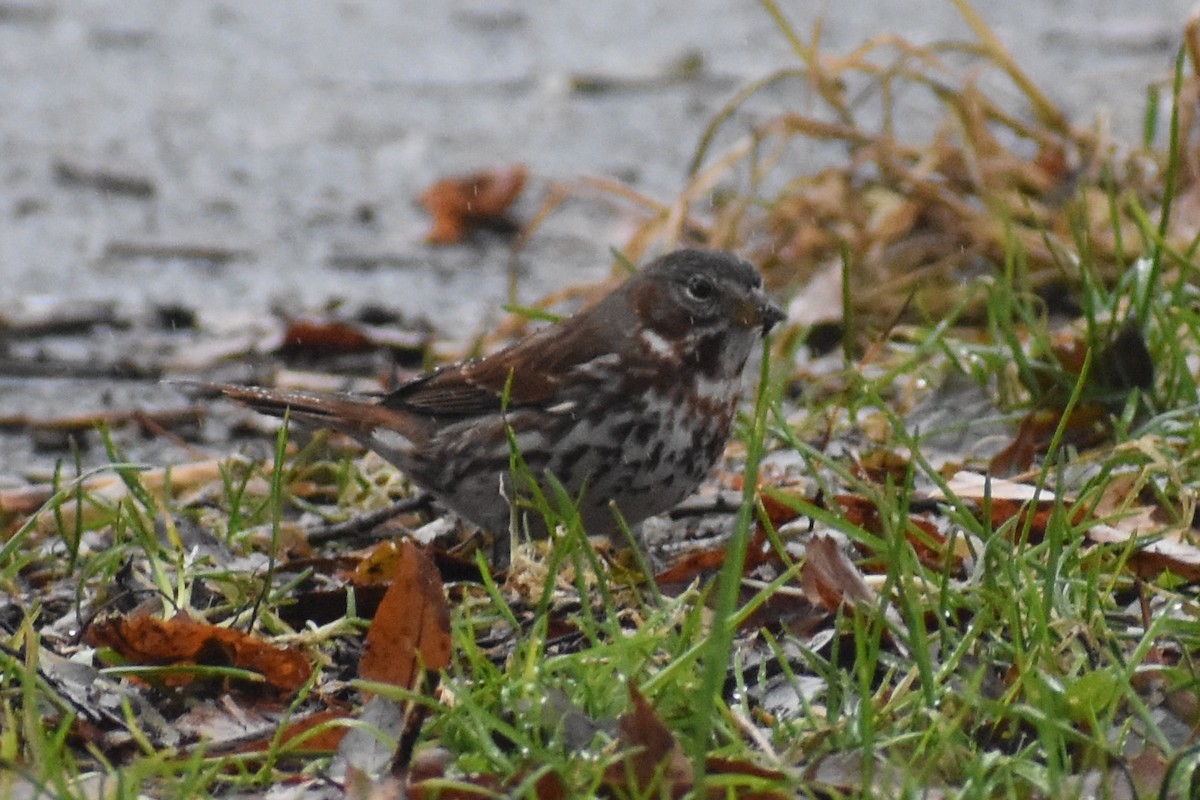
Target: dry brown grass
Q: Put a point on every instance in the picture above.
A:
(911, 222)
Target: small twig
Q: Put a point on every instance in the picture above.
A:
(192, 251)
(104, 180)
(89, 370)
(413, 722)
(157, 422)
(61, 319)
(154, 425)
(363, 523)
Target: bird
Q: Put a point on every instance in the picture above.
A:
(628, 403)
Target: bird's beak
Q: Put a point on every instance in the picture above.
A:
(771, 314)
(757, 311)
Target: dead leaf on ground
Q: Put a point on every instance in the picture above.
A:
(1167, 550)
(1121, 364)
(429, 777)
(849, 774)
(655, 762)
(693, 563)
(380, 563)
(1147, 771)
(547, 786)
(179, 641)
(959, 423)
(1131, 511)
(310, 336)
(1006, 500)
(1087, 426)
(830, 579)
(652, 752)
(411, 629)
(1158, 544)
(296, 735)
(977, 486)
(361, 786)
(319, 336)
(473, 202)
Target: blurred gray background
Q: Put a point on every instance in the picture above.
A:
(234, 155)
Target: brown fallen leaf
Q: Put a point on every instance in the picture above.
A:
(1087, 426)
(1158, 545)
(1122, 363)
(379, 564)
(411, 629)
(692, 563)
(1155, 550)
(327, 337)
(652, 751)
(830, 579)
(1006, 500)
(1147, 771)
(547, 786)
(325, 741)
(656, 766)
(472, 202)
(179, 641)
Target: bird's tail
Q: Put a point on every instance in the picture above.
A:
(363, 419)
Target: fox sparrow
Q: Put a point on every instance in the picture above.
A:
(630, 400)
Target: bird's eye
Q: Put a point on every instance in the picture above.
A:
(700, 288)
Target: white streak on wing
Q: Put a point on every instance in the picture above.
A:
(528, 441)
(562, 408)
(598, 365)
(388, 441)
(657, 344)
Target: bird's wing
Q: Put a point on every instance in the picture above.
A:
(533, 372)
